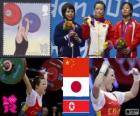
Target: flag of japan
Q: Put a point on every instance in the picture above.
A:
(76, 77)
(75, 86)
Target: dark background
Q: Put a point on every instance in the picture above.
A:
(50, 99)
(124, 82)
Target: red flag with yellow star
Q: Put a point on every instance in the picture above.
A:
(76, 67)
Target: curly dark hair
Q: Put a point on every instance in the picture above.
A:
(64, 8)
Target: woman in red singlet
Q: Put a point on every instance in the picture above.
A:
(33, 105)
(105, 102)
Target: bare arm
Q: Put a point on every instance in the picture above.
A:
(99, 79)
(18, 34)
(135, 87)
(97, 84)
(45, 74)
(28, 84)
(27, 26)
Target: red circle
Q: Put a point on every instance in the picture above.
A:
(12, 14)
(7, 65)
(76, 86)
(53, 73)
(54, 66)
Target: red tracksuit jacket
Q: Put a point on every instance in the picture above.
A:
(130, 32)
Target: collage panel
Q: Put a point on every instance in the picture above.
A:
(76, 86)
(31, 87)
(26, 29)
(79, 29)
(62, 45)
(114, 87)
(69, 57)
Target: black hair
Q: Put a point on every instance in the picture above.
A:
(130, 5)
(36, 81)
(100, 2)
(64, 8)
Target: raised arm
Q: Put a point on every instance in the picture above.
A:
(28, 84)
(135, 87)
(18, 34)
(27, 26)
(99, 79)
(45, 74)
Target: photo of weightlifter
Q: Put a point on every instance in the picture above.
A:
(32, 86)
(110, 93)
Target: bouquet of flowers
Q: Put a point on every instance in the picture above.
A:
(122, 48)
(120, 44)
(107, 47)
(68, 25)
(85, 28)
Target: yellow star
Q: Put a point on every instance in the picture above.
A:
(67, 62)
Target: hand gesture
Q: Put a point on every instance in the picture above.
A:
(72, 34)
(87, 20)
(135, 73)
(104, 66)
(27, 20)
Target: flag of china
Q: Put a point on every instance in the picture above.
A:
(76, 67)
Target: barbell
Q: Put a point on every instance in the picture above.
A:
(12, 14)
(35, 22)
(12, 71)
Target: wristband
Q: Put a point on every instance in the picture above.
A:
(104, 67)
